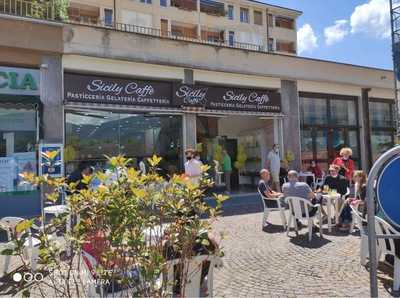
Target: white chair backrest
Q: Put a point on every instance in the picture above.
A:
(9, 224)
(386, 246)
(262, 198)
(358, 219)
(193, 269)
(299, 207)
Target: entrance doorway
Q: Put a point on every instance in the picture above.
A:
(246, 139)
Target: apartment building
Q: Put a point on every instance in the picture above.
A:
(236, 23)
(102, 87)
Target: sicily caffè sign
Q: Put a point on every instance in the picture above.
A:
(98, 89)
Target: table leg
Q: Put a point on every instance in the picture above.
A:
(329, 207)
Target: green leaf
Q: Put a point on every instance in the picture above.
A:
(26, 293)
(7, 252)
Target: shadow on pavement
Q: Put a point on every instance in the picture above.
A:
(273, 229)
(302, 240)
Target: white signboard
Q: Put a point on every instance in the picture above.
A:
(20, 81)
(8, 171)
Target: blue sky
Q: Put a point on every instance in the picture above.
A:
(349, 31)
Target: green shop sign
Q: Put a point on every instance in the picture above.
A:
(19, 81)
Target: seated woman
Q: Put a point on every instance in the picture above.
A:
(345, 219)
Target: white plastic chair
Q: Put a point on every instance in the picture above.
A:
(267, 210)
(339, 204)
(30, 252)
(193, 268)
(299, 209)
(387, 247)
(360, 222)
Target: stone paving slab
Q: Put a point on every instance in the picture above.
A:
(267, 263)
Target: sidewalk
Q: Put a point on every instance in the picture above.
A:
(269, 264)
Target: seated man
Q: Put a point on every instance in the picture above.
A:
(335, 181)
(294, 188)
(266, 190)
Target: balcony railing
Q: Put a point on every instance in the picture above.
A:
(190, 5)
(47, 12)
(212, 7)
(28, 9)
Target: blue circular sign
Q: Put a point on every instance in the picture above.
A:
(388, 191)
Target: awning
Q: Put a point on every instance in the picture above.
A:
(19, 101)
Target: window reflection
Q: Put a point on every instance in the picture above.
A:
(343, 112)
(91, 135)
(17, 148)
(314, 111)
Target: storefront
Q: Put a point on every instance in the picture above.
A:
(141, 117)
(19, 136)
(330, 122)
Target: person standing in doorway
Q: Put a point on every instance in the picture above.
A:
(227, 168)
(192, 167)
(274, 166)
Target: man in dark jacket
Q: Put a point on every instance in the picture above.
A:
(335, 181)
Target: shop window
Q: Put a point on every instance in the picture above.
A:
(314, 111)
(343, 112)
(230, 12)
(381, 141)
(244, 15)
(381, 116)
(327, 125)
(91, 135)
(18, 138)
(258, 17)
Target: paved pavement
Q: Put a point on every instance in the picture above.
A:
(267, 263)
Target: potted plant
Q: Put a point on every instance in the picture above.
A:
(126, 233)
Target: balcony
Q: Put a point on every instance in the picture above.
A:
(89, 16)
(80, 13)
(283, 22)
(184, 31)
(212, 35)
(287, 47)
(190, 5)
(28, 9)
(212, 8)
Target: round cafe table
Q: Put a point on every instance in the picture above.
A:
(332, 200)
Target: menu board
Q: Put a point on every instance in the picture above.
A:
(8, 173)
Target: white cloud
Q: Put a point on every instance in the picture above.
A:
(336, 33)
(372, 18)
(306, 39)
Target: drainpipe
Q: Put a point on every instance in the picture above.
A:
(267, 18)
(115, 14)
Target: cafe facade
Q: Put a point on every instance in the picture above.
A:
(139, 116)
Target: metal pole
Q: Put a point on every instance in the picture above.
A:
(395, 70)
(372, 179)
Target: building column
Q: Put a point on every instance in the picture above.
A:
(51, 82)
(291, 121)
(189, 119)
(365, 131)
